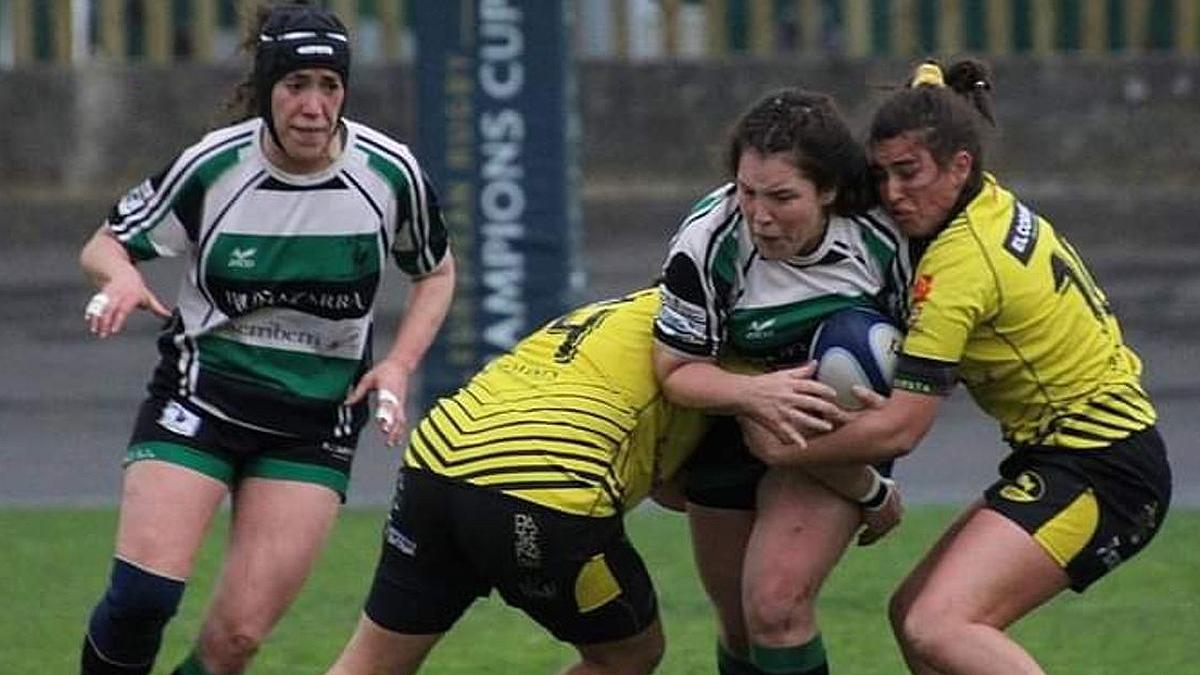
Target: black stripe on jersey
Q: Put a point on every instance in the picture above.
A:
(1141, 404)
(717, 196)
(454, 446)
(1109, 410)
(624, 411)
(541, 452)
(515, 424)
(131, 226)
(1022, 233)
(720, 293)
(375, 207)
(583, 478)
(879, 229)
(416, 185)
(1089, 436)
(1133, 425)
(273, 184)
(212, 230)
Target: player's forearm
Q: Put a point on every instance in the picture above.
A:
(428, 302)
(850, 481)
(705, 385)
(103, 259)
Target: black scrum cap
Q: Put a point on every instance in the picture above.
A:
(295, 37)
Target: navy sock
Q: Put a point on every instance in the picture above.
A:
(125, 630)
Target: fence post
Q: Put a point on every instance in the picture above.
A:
(391, 15)
(203, 29)
(1136, 25)
(858, 27)
(1045, 27)
(904, 27)
(347, 11)
(950, 27)
(112, 30)
(715, 29)
(999, 26)
(22, 31)
(620, 23)
(159, 30)
(670, 24)
(808, 13)
(60, 31)
(762, 27)
(1094, 17)
(1186, 15)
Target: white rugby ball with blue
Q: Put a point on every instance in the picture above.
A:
(856, 346)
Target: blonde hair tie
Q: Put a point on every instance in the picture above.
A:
(928, 74)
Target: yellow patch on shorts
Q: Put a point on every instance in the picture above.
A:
(1065, 535)
(595, 586)
(1025, 488)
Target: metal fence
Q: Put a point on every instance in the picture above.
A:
(163, 31)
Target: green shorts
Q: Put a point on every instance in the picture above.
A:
(171, 431)
(1090, 510)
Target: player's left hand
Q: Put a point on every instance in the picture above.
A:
(879, 521)
(390, 382)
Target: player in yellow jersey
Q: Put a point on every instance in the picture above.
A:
(1004, 304)
(518, 482)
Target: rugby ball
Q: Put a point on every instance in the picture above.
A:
(856, 346)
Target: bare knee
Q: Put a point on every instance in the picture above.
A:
(920, 624)
(228, 647)
(780, 609)
(637, 656)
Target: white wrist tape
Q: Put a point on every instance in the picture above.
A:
(876, 495)
(385, 407)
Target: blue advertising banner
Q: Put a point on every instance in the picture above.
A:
(495, 131)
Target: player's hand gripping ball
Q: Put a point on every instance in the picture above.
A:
(856, 346)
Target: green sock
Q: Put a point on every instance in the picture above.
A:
(805, 659)
(729, 663)
(191, 666)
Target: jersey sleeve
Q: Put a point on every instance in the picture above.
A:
(420, 240)
(954, 291)
(150, 220)
(698, 278)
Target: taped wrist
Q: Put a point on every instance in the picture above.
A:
(877, 494)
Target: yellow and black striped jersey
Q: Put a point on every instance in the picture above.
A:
(572, 418)
(1004, 303)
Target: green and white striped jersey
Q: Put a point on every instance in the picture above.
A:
(273, 321)
(720, 298)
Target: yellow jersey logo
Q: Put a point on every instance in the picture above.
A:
(1027, 487)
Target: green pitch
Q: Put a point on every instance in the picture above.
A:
(54, 563)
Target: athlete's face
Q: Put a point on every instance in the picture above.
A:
(304, 108)
(916, 192)
(784, 210)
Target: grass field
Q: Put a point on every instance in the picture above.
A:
(1144, 619)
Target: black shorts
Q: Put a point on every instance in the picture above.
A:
(172, 431)
(723, 474)
(448, 542)
(1090, 510)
